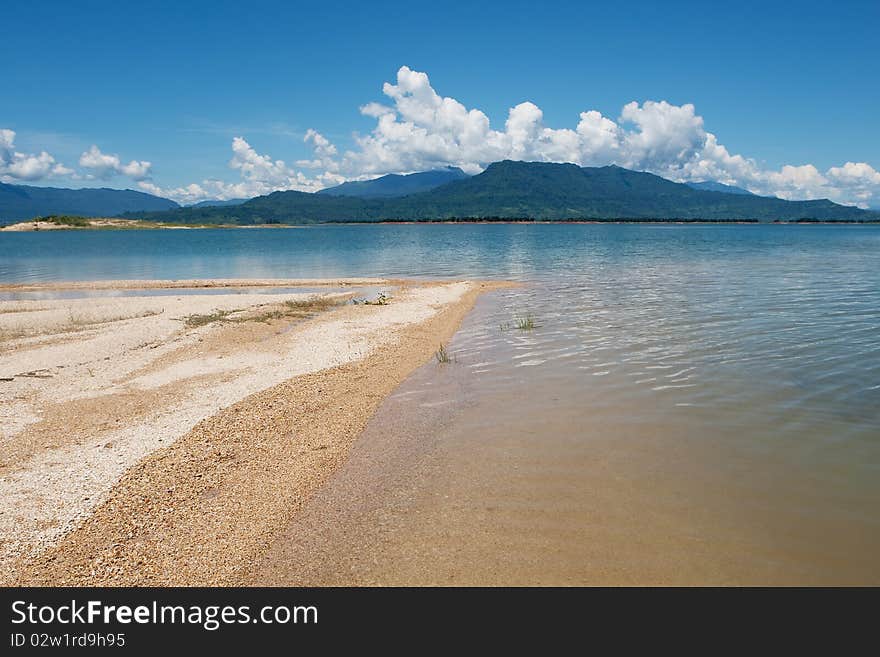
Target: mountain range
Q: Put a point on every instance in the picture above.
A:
(524, 190)
(21, 202)
(505, 190)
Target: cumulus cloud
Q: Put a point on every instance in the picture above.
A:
(105, 166)
(262, 174)
(859, 180)
(259, 174)
(191, 193)
(16, 166)
(325, 152)
(421, 129)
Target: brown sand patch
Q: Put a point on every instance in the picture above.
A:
(74, 422)
(253, 325)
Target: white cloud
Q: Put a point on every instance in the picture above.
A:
(665, 135)
(31, 167)
(260, 174)
(16, 166)
(104, 166)
(860, 180)
(803, 181)
(600, 137)
(422, 129)
(325, 152)
(191, 193)
(855, 172)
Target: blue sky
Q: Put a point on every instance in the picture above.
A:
(172, 84)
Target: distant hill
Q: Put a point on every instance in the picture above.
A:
(18, 202)
(713, 186)
(396, 185)
(219, 204)
(533, 190)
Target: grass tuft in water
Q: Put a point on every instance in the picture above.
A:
(526, 323)
(443, 356)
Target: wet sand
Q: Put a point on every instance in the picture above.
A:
(140, 451)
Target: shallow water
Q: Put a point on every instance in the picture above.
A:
(488, 471)
(75, 293)
(695, 403)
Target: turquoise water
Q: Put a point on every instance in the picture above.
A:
(749, 352)
(787, 311)
(845, 256)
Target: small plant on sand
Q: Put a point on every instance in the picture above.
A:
(20, 309)
(296, 309)
(195, 321)
(290, 309)
(381, 299)
(443, 357)
(78, 321)
(313, 304)
(526, 323)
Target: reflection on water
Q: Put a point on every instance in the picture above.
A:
(723, 381)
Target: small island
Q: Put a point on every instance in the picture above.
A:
(76, 222)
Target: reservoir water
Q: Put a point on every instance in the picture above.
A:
(693, 403)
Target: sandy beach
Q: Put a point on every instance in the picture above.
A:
(166, 439)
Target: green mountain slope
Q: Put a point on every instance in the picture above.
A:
(218, 203)
(396, 185)
(533, 190)
(21, 202)
(713, 186)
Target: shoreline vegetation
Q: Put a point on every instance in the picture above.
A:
(67, 222)
(168, 439)
(76, 222)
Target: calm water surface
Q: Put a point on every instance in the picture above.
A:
(727, 378)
